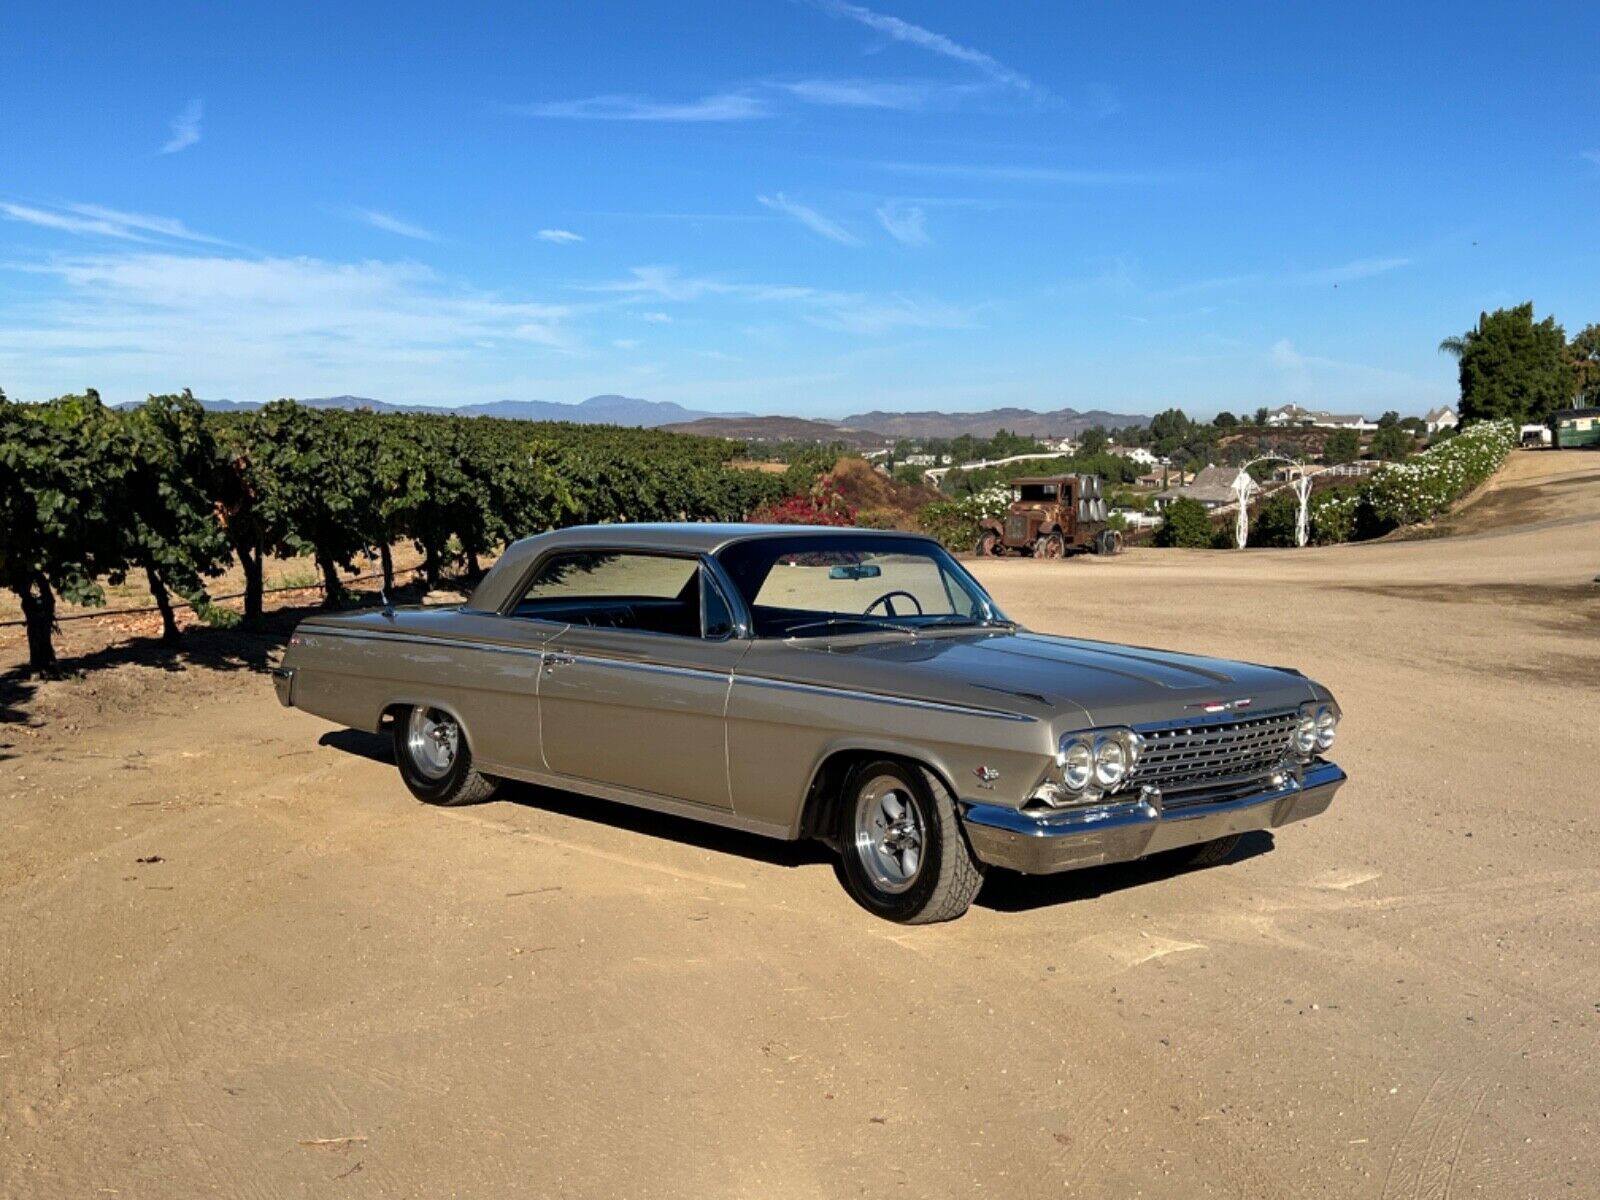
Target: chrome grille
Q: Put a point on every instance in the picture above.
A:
(1016, 527)
(1212, 756)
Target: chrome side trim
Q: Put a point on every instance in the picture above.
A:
(631, 664)
(880, 698)
(656, 803)
(416, 639)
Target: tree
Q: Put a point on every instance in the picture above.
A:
(171, 529)
(1583, 353)
(1260, 416)
(1225, 420)
(1093, 440)
(1391, 443)
(1389, 418)
(64, 468)
(1185, 523)
(1512, 366)
(1341, 446)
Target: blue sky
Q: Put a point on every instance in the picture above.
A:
(798, 206)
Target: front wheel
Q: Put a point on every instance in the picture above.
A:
(1209, 854)
(988, 544)
(906, 858)
(1051, 545)
(434, 759)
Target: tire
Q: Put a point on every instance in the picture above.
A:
(883, 798)
(1209, 854)
(435, 761)
(988, 544)
(1051, 545)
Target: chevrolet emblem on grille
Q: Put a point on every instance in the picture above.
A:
(1216, 706)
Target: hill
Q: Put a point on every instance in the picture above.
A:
(596, 410)
(781, 429)
(1062, 422)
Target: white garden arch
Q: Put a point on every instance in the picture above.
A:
(1244, 487)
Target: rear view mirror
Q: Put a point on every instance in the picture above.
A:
(855, 571)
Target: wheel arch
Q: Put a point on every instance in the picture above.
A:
(390, 713)
(824, 793)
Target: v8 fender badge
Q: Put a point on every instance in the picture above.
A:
(986, 777)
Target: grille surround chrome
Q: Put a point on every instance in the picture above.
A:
(1191, 759)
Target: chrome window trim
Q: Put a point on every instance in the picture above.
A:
(881, 698)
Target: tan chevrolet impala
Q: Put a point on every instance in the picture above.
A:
(855, 686)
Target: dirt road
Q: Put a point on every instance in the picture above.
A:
(237, 959)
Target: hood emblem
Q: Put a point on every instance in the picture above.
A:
(1217, 706)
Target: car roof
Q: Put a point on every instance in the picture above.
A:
(682, 537)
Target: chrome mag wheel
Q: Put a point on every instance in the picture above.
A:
(433, 740)
(889, 834)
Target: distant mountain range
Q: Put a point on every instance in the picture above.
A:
(596, 410)
(1062, 422)
(780, 429)
(869, 428)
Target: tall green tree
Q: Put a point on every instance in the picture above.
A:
(1341, 446)
(1584, 354)
(1512, 366)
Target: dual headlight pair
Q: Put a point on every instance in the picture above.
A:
(1316, 729)
(1089, 764)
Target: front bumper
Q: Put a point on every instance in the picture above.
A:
(1066, 839)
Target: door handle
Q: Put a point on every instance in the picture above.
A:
(552, 661)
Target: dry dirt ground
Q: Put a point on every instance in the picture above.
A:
(237, 959)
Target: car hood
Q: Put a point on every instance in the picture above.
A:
(1098, 683)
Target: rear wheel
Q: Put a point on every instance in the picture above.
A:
(988, 544)
(905, 856)
(434, 759)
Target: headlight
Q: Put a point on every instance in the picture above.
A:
(1327, 726)
(1077, 765)
(1110, 761)
(1305, 733)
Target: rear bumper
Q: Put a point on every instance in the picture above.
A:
(283, 684)
(1066, 839)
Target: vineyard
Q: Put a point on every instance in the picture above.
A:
(90, 494)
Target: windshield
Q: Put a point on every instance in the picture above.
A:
(814, 585)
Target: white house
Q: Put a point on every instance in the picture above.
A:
(1293, 414)
(1136, 454)
(1441, 418)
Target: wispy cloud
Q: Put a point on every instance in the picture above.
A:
(1012, 173)
(904, 222)
(656, 318)
(871, 93)
(95, 220)
(185, 128)
(1592, 156)
(561, 237)
(393, 224)
(1361, 268)
(1306, 374)
(725, 106)
(247, 327)
(934, 43)
(811, 219)
(626, 343)
(850, 312)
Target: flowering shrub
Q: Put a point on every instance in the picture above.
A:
(1422, 487)
(955, 522)
(822, 505)
(1333, 515)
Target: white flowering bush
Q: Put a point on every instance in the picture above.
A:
(1424, 486)
(955, 522)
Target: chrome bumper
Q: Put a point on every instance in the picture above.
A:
(1066, 839)
(283, 684)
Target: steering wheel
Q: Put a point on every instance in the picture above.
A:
(887, 600)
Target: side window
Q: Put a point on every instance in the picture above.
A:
(616, 589)
(716, 621)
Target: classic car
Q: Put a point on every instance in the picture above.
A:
(854, 686)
